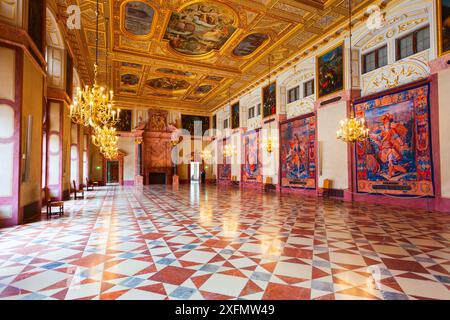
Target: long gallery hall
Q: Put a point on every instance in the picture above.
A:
(224, 150)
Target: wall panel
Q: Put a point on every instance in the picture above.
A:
(334, 154)
(444, 131)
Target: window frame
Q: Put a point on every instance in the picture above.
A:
(377, 59)
(312, 88)
(227, 121)
(295, 89)
(251, 112)
(414, 36)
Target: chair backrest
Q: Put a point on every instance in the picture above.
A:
(327, 184)
(74, 185)
(47, 194)
(87, 181)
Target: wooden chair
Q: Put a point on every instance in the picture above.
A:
(76, 190)
(50, 203)
(325, 190)
(89, 185)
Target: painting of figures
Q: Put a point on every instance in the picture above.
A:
(444, 26)
(214, 78)
(396, 159)
(203, 89)
(330, 70)
(252, 166)
(269, 100)
(138, 18)
(129, 79)
(235, 116)
(176, 72)
(224, 165)
(200, 28)
(165, 83)
(125, 123)
(250, 44)
(189, 122)
(298, 153)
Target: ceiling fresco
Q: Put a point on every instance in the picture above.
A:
(183, 55)
(176, 72)
(168, 84)
(250, 44)
(200, 28)
(138, 18)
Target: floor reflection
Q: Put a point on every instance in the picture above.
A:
(208, 242)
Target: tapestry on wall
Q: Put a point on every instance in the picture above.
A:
(298, 153)
(224, 168)
(252, 166)
(235, 116)
(396, 159)
(269, 100)
(330, 70)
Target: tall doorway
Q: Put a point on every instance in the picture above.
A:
(195, 172)
(112, 170)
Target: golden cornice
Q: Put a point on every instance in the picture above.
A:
(132, 103)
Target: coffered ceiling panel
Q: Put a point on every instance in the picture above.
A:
(185, 54)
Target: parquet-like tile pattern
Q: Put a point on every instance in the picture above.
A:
(225, 243)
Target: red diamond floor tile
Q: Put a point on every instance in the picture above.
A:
(226, 243)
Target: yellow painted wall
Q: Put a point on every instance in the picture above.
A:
(32, 104)
(95, 161)
(444, 130)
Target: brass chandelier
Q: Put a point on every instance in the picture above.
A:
(106, 139)
(230, 150)
(353, 129)
(94, 107)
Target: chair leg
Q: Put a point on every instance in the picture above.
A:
(47, 212)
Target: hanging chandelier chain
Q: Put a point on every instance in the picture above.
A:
(350, 21)
(97, 14)
(94, 106)
(353, 129)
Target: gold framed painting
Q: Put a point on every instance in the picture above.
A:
(138, 19)
(235, 116)
(443, 17)
(206, 38)
(269, 100)
(330, 71)
(125, 123)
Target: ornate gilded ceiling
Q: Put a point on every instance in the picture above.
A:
(184, 54)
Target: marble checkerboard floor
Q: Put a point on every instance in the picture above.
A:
(225, 243)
